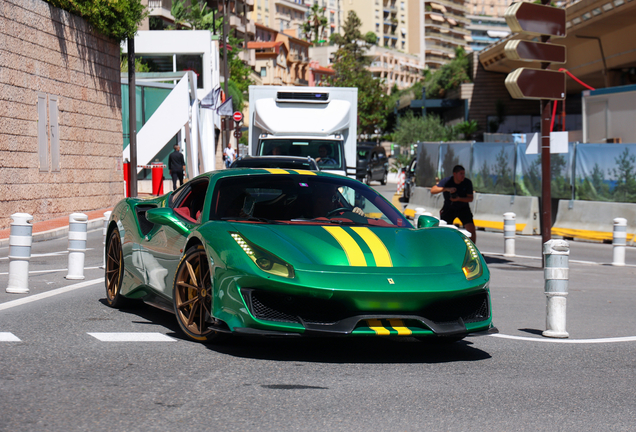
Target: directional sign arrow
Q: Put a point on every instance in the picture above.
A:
(536, 19)
(534, 51)
(526, 83)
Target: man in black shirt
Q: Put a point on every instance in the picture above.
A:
(458, 192)
(176, 165)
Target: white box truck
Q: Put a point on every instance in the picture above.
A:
(317, 122)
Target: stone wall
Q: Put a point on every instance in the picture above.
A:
(49, 55)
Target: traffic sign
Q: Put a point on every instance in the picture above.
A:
(237, 116)
(536, 19)
(534, 51)
(238, 134)
(526, 83)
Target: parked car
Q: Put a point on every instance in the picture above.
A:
(285, 162)
(409, 178)
(372, 163)
(276, 252)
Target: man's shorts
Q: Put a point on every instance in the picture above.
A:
(448, 214)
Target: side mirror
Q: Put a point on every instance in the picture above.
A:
(426, 221)
(165, 216)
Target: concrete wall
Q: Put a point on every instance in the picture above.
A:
(48, 52)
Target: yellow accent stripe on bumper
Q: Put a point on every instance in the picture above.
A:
(398, 326)
(355, 256)
(377, 327)
(277, 171)
(379, 250)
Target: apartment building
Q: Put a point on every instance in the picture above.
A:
(485, 30)
(239, 11)
(388, 19)
(282, 15)
(281, 59)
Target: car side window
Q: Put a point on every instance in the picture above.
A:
(188, 203)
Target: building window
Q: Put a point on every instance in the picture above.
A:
(263, 72)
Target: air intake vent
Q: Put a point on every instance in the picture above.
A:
(307, 97)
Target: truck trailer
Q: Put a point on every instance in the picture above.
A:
(316, 122)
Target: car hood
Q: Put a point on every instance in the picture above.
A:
(361, 249)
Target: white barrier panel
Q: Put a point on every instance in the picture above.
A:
(487, 209)
(593, 220)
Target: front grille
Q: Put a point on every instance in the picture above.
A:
(473, 308)
(277, 307)
(309, 310)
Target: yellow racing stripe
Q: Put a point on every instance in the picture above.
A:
(398, 325)
(276, 171)
(379, 250)
(377, 327)
(355, 256)
(304, 172)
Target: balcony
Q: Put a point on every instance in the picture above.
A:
(301, 82)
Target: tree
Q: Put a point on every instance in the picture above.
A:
(449, 76)
(350, 67)
(117, 19)
(468, 128)
(412, 129)
(196, 15)
(315, 25)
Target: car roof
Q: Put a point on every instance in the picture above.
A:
(290, 162)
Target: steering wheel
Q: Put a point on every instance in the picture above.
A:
(337, 210)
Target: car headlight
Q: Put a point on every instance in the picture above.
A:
(472, 264)
(264, 260)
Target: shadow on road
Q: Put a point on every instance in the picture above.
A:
(319, 349)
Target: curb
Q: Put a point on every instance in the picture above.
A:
(57, 233)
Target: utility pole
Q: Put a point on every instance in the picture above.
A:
(226, 30)
(132, 117)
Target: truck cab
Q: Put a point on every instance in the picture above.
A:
(320, 123)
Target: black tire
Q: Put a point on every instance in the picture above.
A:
(384, 178)
(192, 296)
(114, 271)
(367, 179)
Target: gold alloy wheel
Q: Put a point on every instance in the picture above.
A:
(114, 269)
(193, 295)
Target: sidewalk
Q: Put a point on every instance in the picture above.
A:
(56, 228)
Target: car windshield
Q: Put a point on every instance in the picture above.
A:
(302, 199)
(327, 153)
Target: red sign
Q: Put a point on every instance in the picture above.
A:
(526, 83)
(536, 19)
(534, 51)
(237, 116)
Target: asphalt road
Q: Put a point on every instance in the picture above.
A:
(63, 374)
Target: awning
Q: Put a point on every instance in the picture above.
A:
(497, 33)
(403, 30)
(438, 7)
(451, 21)
(436, 17)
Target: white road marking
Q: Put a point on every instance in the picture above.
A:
(132, 337)
(36, 297)
(8, 337)
(538, 258)
(567, 341)
(54, 270)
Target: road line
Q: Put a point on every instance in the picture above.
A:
(53, 270)
(538, 258)
(132, 337)
(567, 341)
(36, 297)
(8, 337)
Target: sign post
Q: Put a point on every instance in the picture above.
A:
(539, 84)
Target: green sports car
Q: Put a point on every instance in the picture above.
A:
(292, 252)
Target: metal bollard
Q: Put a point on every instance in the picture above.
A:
(509, 229)
(77, 225)
(20, 240)
(104, 231)
(556, 273)
(619, 241)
